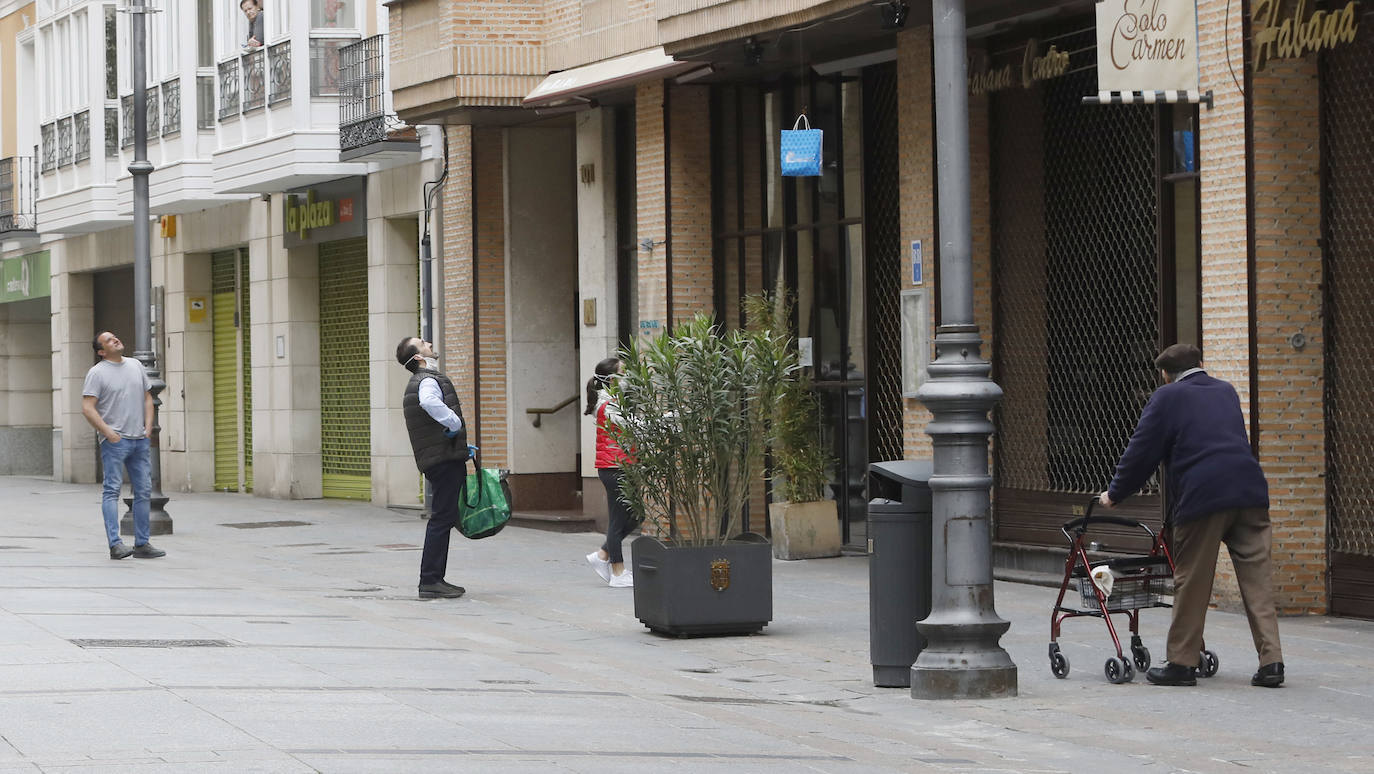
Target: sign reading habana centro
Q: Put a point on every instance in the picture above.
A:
(1292, 37)
(1032, 69)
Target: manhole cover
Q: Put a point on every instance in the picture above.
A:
(150, 643)
(266, 524)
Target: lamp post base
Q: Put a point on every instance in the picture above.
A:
(963, 683)
(159, 523)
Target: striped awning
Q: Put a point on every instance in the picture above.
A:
(1149, 97)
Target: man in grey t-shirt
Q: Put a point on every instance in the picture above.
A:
(116, 401)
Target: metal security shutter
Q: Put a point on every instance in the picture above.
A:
(883, 259)
(1076, 287)
(1347, 120)
(226, 357)
(246, 370)
(345, 436)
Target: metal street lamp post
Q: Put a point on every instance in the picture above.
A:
(962, 658)
(160, 522)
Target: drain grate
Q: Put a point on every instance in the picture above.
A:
(150, 643)
(266, 524)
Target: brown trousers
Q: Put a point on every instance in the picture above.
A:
(1245, 531)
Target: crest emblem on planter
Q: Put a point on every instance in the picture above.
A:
(720, 574)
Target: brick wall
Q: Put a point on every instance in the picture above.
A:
(1221, 159)
(689, 118)
(455, 269)
(1288, 275)
(916, 127)
(582, 31)
(476, 167)
(489, 52)
(1287, 222)
(690, 240)
(651, 220)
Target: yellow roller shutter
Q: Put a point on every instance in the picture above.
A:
(345, 432)
(246, 369)
(223, 301)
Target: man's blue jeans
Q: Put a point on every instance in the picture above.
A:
(133, 453)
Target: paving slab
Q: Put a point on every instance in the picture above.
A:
(314, 654)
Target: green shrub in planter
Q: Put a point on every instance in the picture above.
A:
(698, 405)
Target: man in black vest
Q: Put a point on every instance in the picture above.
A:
(438, 437)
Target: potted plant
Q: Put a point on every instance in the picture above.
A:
(802, 522)
(698, 404)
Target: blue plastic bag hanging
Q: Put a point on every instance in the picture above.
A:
(801, 149)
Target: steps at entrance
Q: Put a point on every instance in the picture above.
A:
(554, 521)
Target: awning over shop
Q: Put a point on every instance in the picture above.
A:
(580, 84)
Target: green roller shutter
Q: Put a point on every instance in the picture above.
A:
(223, 302)
(345, 433)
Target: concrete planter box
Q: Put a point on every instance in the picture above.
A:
(804, 530)
(693, 590)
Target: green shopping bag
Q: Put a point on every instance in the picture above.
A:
(484, 507)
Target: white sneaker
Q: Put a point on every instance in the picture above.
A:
(625, 580)
(602, 566)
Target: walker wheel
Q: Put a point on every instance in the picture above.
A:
(1141, 655)
(1118, 671)
(1208, 664)
(1059, 665)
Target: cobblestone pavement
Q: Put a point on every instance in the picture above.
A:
(286, 637)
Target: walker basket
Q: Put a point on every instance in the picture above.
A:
(1129, 592)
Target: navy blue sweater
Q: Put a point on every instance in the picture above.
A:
(1194, 426)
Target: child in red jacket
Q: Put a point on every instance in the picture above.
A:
(608, 561)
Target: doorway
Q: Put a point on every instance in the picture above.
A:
(808, 237)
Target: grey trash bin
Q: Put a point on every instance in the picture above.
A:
(899, 517)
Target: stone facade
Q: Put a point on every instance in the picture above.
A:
(1260, 218)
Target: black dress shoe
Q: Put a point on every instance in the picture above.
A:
(120, 551)
(1269, 675)
(1172, 674)
(440, 590)
(147, 551)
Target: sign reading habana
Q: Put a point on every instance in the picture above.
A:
(1292, 37)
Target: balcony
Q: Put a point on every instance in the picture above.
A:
(456, 67)
(367, 127)
(18, 183)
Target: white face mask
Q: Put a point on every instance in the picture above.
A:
(431, 363)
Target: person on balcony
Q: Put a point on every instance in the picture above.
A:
(253, 10)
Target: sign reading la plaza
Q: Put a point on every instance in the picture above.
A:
(325, 212)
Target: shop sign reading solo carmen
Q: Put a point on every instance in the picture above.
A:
(1146, 45)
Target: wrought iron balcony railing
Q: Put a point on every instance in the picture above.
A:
(18, 186)
(363, 115)
(255, 79)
